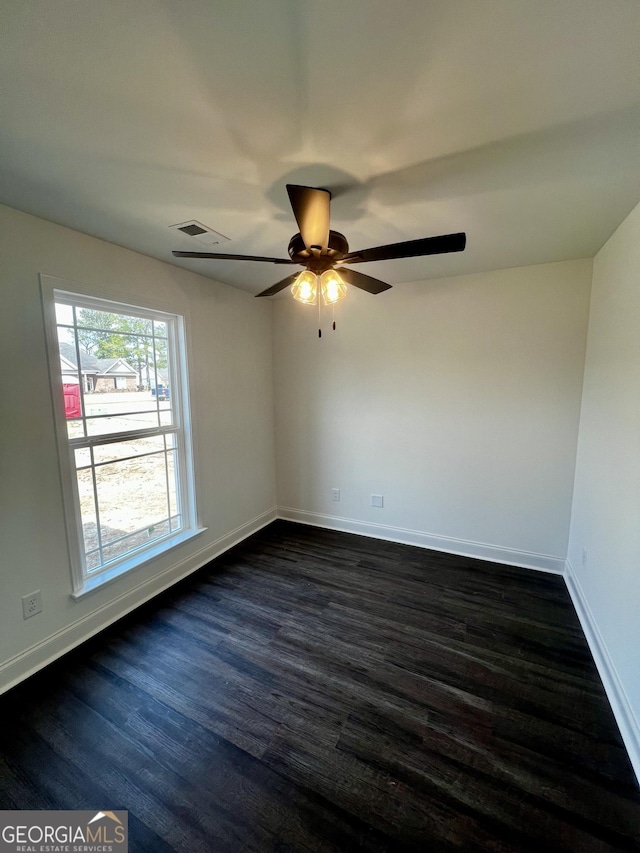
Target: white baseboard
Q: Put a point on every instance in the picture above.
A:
(620, 705)
(24, 664)
(479, 550)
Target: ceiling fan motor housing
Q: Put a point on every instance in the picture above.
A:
(337, 248)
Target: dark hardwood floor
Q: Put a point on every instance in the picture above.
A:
(313, 690)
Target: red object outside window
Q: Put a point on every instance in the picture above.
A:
(71, 400)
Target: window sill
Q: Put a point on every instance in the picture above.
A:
(94, 582)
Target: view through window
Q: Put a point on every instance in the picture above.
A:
(124, 413)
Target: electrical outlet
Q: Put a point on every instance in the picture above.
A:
(584, 556)
(335, 494)
(31, 604)
(377, 500)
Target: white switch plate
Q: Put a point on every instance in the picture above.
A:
(377, 500)
(335, 494)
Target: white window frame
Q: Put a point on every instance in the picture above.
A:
(83, 581)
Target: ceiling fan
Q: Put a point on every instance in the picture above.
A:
(326, 255)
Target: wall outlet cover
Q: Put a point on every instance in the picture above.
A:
(31, 604)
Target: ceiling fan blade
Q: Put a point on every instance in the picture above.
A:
(410, 249)
(232, 257)
(364, 282)
(276, 288)
(312, 210)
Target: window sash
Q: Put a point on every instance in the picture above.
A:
(143, 547)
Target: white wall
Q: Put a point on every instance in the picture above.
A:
(606, 509)
(457, 399)
(232, 408)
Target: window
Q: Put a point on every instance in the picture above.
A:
(126, 454)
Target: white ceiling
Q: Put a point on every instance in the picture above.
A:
(517, 121)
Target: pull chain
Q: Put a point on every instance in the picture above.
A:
(319, 324)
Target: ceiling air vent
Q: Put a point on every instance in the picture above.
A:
(199, 232)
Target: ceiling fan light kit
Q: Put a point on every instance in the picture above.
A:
(325, 253)
(331, 287)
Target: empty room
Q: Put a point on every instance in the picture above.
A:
(320, 478)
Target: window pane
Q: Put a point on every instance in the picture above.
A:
(83, 457)
(71, 381)
(173, 487)
(124, 449)
(72, 401)
(160, 380)
(87, 510)
(93, 345)
(123, 423)
(134, 541)
(93, 561)
(132, 497)
(88, 318)
(159, 329)
(160, 355)
(166, 416)
(75, 429)
(119, 405)
(64, 314)
(72, 397)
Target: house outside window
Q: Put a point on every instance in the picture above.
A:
(126, 455)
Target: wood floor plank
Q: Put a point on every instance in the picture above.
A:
(314, 690)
